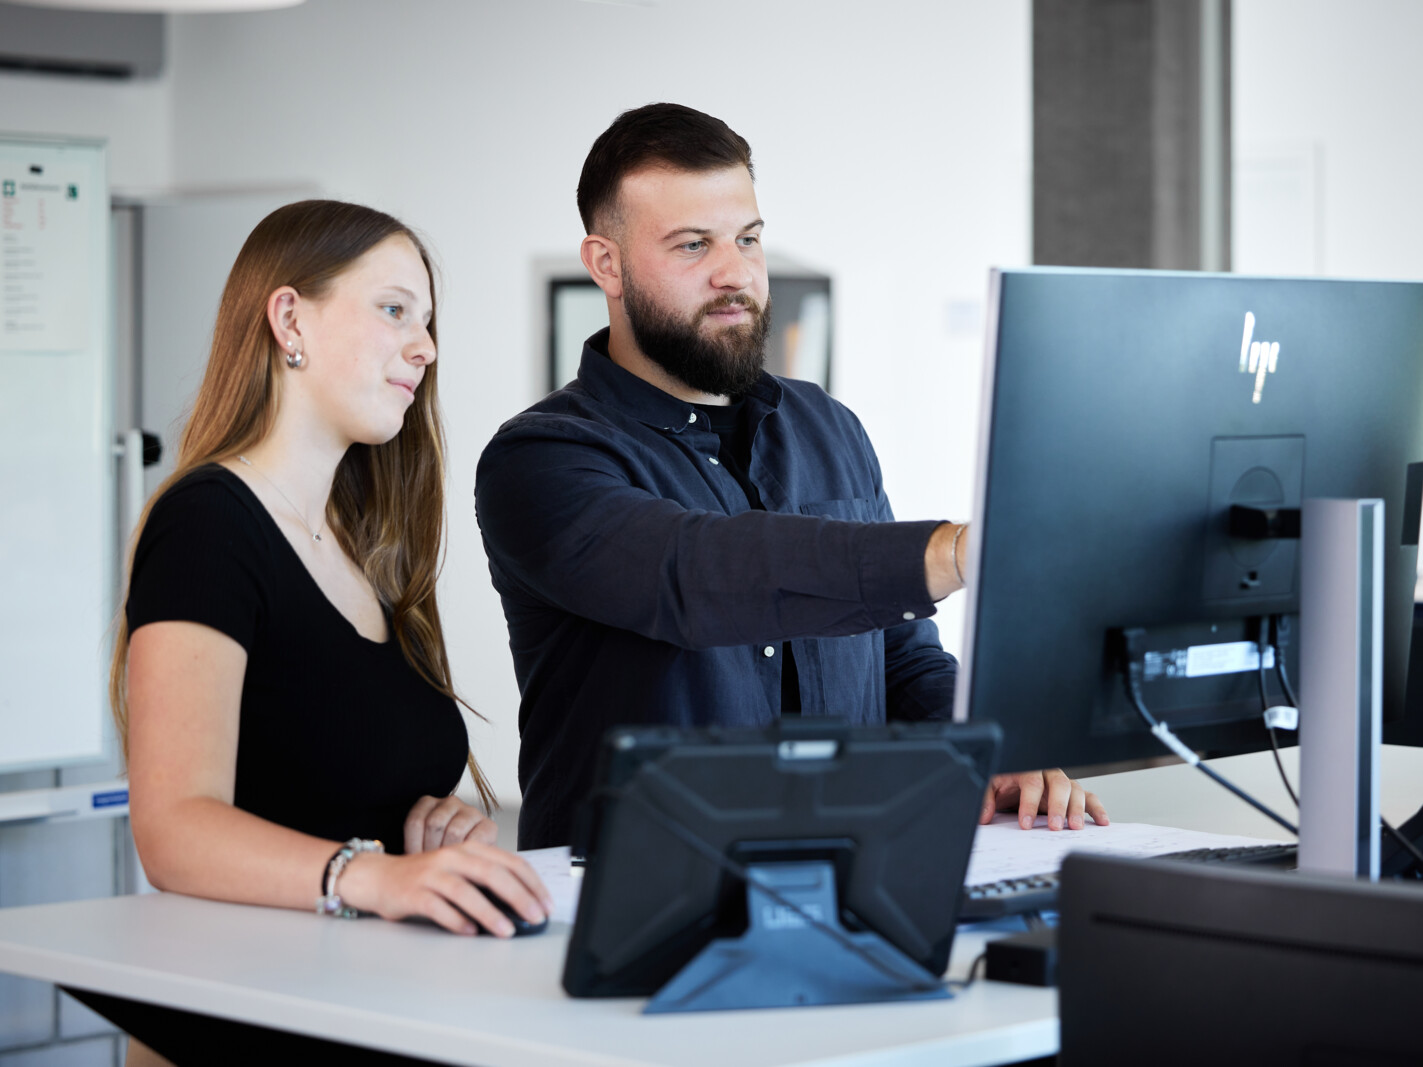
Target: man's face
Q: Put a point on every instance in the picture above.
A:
(694, 275)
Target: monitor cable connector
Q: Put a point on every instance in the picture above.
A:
(1134, 662)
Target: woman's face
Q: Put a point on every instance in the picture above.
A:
(367, 344)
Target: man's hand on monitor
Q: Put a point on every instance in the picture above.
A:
(1049, 793)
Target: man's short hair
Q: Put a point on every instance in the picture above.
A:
(668, 135)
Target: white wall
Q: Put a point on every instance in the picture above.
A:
(134, 117)
(1328, 107)
(891, 140)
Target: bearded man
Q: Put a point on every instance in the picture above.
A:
(680, 538)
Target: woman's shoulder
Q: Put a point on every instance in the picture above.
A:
(203, 556)
(210, 506)
(210, 491)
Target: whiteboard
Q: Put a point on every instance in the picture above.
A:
(57, 465)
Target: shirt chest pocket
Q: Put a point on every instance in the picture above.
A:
(854, 509)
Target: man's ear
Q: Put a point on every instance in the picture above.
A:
(603, 260)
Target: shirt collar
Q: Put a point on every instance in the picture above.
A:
(612, 384)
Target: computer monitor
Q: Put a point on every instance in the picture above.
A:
(1125, 412)
(863, 832)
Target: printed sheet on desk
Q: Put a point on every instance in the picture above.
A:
(1002, 849)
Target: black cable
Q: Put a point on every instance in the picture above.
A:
(1261, 644)
(959, 987)
(1261, 808)
(1211, 773)
(913, 982)
(1280, 764)
(1282, 630)
(1134, 641)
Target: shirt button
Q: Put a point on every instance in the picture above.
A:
(692, 417)
(908, 615)
(768, 651)
(714, 461)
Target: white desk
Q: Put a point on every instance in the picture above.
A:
(421, 992)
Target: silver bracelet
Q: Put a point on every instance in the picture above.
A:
(954, 552)
(330, 903)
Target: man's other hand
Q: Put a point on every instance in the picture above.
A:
(1050, 793)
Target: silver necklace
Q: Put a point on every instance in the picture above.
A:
(315, 534)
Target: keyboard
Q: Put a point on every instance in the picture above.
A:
(1280, 855)
(1010, 896)
(1038, 892)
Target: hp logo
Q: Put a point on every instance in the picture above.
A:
(1257, 357)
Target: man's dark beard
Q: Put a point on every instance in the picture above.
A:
(727, 363)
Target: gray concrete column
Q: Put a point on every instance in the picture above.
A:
(1131, 133)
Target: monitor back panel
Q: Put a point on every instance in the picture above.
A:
(1125, 411)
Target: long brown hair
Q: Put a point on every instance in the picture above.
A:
(387, 503)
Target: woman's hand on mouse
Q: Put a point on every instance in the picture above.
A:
(434, 822)
(445, 884)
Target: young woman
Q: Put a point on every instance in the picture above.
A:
(280, 678)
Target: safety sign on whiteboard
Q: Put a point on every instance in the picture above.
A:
(44, 261)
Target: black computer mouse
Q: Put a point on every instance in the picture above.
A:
(522, 925)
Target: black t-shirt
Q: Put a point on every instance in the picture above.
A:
(729, 423)
(339, 735)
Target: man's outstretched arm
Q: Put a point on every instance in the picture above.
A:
(564, 523)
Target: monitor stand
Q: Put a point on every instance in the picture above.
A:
(782, 961)
(1341, 685)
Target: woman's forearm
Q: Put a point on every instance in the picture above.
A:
(205, 847)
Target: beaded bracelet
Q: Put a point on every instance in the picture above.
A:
(330, 903)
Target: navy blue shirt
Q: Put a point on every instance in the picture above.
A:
(641, 586)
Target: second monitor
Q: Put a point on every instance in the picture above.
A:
(1125, 414)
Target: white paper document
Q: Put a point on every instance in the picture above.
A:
(1004, 850)
(561, 877)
